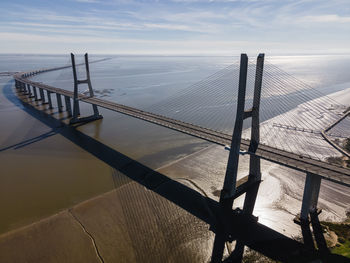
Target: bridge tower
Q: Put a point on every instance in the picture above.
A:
(76, 108)
(249, 184)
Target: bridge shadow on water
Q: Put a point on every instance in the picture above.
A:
(228, 226)
(31, 140)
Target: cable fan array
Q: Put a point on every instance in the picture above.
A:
(292, 113)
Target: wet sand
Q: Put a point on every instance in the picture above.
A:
(130, 224)
(280, 193)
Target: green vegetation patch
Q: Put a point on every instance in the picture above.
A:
(342, 249)
(342, 230)
(347, 144)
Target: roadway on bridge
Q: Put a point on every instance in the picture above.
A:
(328, 171)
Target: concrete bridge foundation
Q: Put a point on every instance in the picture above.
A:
(310, 197)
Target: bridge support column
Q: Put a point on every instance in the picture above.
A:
(24, 88)
(68, 106)
(29, 91)
(76, 108)
(229, 188)
(250, 184)
(42, 96)
(254, 176)
(310, 197)
(21, 87)
(35, 93)
(48, 93)
(59, 102)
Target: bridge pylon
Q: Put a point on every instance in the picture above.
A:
(250, 184)
(76, 108)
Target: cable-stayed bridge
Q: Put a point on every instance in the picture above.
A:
(292, 124)
(207, 109)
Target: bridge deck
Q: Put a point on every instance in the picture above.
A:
(328, 171)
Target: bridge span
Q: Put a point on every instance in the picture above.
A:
(306, 164)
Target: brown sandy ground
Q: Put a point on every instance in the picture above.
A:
(131, 224)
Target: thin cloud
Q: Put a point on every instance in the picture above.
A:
(216, 24)
(88, 1)
(327, 19)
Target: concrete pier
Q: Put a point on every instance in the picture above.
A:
(59, 102)
(42, 96)
(68, 105)
(35, 93)
(310, 197)
(48, 93)
(29, 92)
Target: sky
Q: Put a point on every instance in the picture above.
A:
(177, 27)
